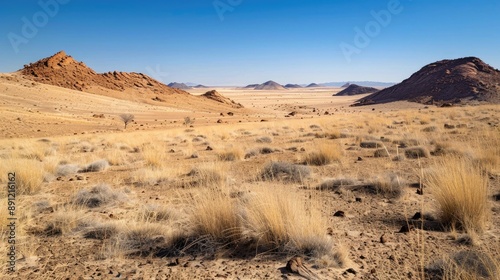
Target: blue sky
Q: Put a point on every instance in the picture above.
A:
(238, 42)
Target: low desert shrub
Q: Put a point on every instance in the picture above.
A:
(264, 139)
(417, 152)
(97, 196)
(285, 171)
(67, 169)
(96, 166)
(231, 154)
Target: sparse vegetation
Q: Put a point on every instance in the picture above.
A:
(97, 196)
(126, 119)
(285, 171)
(326, 153)
(461, 191)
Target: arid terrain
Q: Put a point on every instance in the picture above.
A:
(195, 188)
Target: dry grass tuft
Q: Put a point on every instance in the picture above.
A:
(29, 174)
(326, 153)
(461, 190)
(285, 171)
(215, 215)
(141, 239)
(280, 220)
(67, 169)
(389, 185)
(207, 176)
(417, 152)
(96, 166)
(98, 196)
(231, 154)
(465, 265)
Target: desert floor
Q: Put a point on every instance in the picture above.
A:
(185, 192)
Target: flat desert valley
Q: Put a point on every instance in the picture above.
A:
(292, 184)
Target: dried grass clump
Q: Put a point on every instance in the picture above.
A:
(417, 152)
(325, 153)
(231, 154)
(465, 265)
(285, 171)
(154, 156)
(141, 239)
(264, 139)
(389, 185)
(98, 196)
(207, 176)
(102, 231)
(215, 215)
(280, 221)
(67, 169)
(96, 166)
(460, 187)
(29, 174)
(381, 153)
(334, 184)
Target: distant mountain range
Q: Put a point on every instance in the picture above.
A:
(359, 83)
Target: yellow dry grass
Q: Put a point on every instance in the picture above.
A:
(325, 153)
(460, 188)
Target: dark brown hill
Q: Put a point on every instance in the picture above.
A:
(462, 79)
(353, 89)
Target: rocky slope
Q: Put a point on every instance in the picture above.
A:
(456, 80)
(353, 89)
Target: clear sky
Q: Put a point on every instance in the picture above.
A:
(238, 42)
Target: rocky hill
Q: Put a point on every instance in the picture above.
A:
(179, 85)
(456, 80)
(216, 96)
(353, 89)
(269, 85)
(64, 71)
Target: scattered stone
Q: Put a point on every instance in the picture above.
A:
(219, 121)
(360, 158)
(209, 148)
(358, 199)
(351, 270)
(449, 126)
(80, 178)
(406, 228)
(339, 214)
(230, 113)
(171, 151)
(383, 239)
